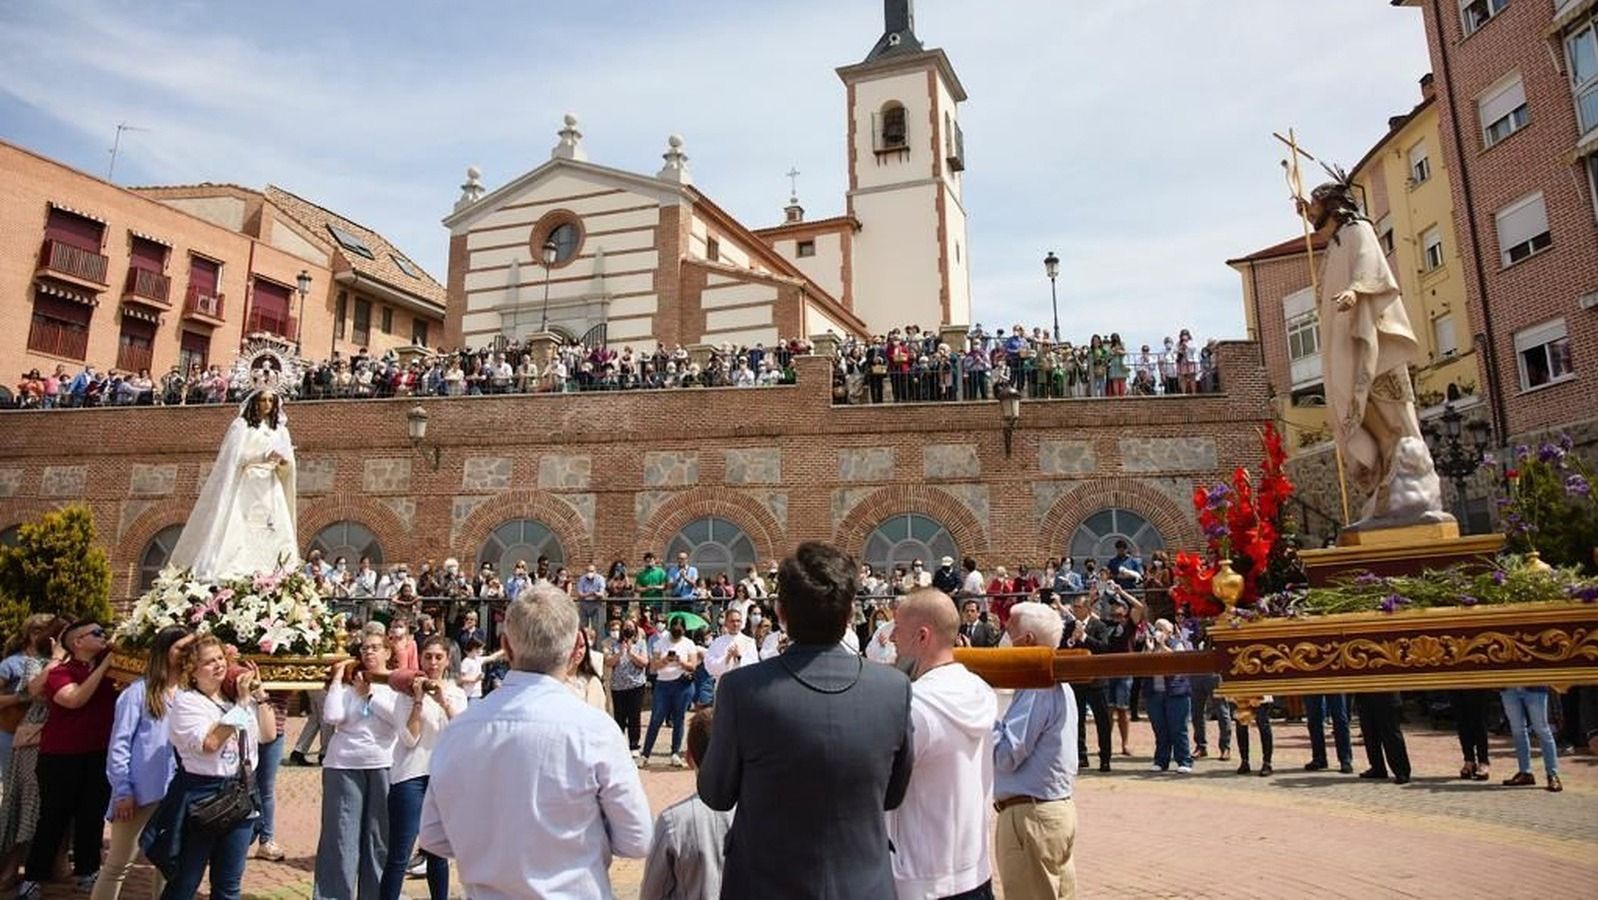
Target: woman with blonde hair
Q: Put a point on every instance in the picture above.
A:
(139, 762)
(21, 671)
(216, 725)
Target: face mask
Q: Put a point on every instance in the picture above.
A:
(754, 618)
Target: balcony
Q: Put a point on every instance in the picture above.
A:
(58, 338)
(203, 305)
(134, 357)
(270, 322)
(146, 286)
(73, 262)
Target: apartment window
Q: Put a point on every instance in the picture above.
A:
(1420, 165)
(1443, 335)
(1432, 240)
(388, 320)
(805, 248)
(419, 332)
(1523, 229)
(1384, 233)
(1503, 110)
(1581, 51)
(60, 325)
(136, 343)
(363, 321)
(1591, 165)
(340, 310)
(1543, 354)
(1303, 336)
(1476, 13)
(712, 249)
(193, 349)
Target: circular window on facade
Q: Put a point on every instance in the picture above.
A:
(714, 546)
(903, 539)
(156, 554)
(1095, 538)
(522, 540)
(557, 238)
(351, 540)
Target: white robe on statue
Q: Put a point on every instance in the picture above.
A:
(244, 520)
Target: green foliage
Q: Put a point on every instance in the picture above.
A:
(1551, 507)
(1507, 580)
(55, 567)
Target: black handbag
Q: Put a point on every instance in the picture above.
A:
(224, 810)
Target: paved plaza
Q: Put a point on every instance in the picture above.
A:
(1217, 834)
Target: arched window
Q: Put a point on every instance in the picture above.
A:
(351, 540)
(559, 231)
(566, 238)
(892, 127)
(10, 535)
(713, 546)
(156, 554)
(903, 539)
(1095, 538)
(522, 540)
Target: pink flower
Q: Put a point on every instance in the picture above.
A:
(268, 645)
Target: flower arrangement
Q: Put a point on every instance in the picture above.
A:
(1509, 579)
(1245, 528)
(271, 614)
(1550, 507)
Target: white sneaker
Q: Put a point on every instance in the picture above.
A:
(643, 761)
(1156, 768)
(1184, 770)
(637, 756)
(676, 760)
(417, 870)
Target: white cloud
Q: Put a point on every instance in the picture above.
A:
(1132, 138)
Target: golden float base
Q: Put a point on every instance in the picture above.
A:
(1403, 535)
(278, 673)
(1393, 558)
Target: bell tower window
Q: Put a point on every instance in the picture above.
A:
(891, 129)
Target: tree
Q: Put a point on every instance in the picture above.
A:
(55, 567)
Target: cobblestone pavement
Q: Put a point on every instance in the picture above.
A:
(1215, 833)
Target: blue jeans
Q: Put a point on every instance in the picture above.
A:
(224, 854)
(404, 822)
(671, 701)
(1523, 705)
(1169, 715)
(266, 785)
(1316, 707)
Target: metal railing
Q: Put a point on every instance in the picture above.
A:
(148, 285)
(74, 261)
(281, 324)
(203, 303)
(862, 380)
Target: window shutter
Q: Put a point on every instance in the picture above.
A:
(1538, 335)
(1521, 222)
(1502, 101)
(1416, 154)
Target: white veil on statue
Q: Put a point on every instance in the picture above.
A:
(244, 519)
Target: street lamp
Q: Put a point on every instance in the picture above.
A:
(303, 282)
(416, 428)
(1010, 410)
(1452, 457)
(548, 253)
(1051, 267)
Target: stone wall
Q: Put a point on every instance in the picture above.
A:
(613, 475)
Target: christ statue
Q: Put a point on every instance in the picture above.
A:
(1367, 345)
(243, 522)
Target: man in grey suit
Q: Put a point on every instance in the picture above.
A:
(812, 747)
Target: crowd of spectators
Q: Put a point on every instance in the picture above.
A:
(505, 368)
(915, 365)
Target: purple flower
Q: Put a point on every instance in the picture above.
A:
(1577, 486)
(1522, 452)
(1500, 576)
(1489, 460)
(1586, 593)
(1392, 602)
(1367, 578)
(1565, 443)
(1550, 453)
(1467, 600)
(1218, 496)
(1216, 531)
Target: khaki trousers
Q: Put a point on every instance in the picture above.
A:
(1033, 844)
(121, 854)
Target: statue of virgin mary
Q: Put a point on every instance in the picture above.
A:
(243, 522)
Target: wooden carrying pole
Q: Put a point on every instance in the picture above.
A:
(1295, 180)
(1036, 667)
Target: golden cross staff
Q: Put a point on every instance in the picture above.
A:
(1295, 184)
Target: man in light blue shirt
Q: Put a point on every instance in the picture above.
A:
(591, 599)
(681, 578)
(1034, 770)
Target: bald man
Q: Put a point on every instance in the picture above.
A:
(940, 832)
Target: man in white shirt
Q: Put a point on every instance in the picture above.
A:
(940, 832)
(972, 585)
(754, 585)
(732, 648)
(561, 773)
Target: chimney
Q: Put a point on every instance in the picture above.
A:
(1428, 87)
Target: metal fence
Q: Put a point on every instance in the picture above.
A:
(861, 380)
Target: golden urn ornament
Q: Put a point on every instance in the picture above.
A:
(1535, 562)
(1227, 585)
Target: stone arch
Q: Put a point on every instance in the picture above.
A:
(395, 536)
(547, 508)
(128, 550)
(1087, 498)
(770, 539)
(970, 534)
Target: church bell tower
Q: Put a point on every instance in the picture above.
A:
(906, 156)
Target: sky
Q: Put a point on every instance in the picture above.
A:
(1131, 137)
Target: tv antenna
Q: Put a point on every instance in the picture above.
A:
(117, 145)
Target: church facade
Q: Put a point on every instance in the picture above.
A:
(577, 248)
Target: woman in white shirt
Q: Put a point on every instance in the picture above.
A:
(434, 700)
(213, 737)
(583, 676)
(366, 722)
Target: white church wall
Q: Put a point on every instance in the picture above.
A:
(947, 105)
(959, 263)
(818, 322)
(747, 337)
(825, 267)
(718, 320)
(909, 89)
(896, 277)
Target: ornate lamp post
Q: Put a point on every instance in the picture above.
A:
(1051, 267)
(303, 283)
(416, 430)
(547, 253)
(1454, 458)
(1010, 410)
